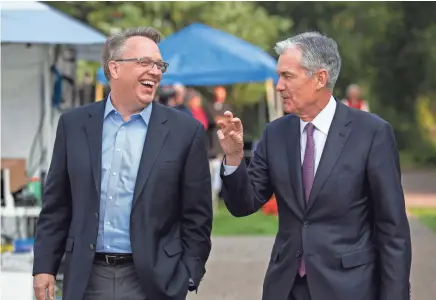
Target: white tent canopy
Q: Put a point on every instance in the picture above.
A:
(29, 33)
(37, 23)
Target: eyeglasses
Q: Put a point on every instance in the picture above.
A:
(147, 63)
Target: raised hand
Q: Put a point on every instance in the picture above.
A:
(231, 138)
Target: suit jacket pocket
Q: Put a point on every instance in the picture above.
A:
(358, 258)
(195, 268)
(174, 247)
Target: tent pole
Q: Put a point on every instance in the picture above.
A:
(279, 104)
(272, 110)
(99, 91)
(47, 108)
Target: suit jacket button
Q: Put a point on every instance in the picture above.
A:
(96, 215)
(306, 224)
(298, 255)
(91, 246)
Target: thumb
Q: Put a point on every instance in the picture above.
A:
(220, 134)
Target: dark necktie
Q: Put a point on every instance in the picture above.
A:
(308, 174)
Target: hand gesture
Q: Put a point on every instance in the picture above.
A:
(231, 138)
(43, 283)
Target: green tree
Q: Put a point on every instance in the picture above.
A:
(405, 75)
(354, 31)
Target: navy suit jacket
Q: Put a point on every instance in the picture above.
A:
(353, 233)
(171, 216)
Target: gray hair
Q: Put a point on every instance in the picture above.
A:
(318, 52)
(114, 46)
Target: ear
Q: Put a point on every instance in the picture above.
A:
(114, 69)
(321, 78)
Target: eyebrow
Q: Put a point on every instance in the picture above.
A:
(279, 72)
(148, 57)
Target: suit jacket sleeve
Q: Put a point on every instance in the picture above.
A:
(246, 190)
(196, 225)
(55, 217)
(391, 224)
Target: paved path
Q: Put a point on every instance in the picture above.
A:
(420, 189)
(237, 265)
(423, 276)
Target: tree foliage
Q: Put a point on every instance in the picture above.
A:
(388, 48)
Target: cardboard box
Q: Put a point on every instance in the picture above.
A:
(17, 169)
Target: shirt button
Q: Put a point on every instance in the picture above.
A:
(108, 247)
(114, 173)
(118, 150)
(122, 128)
(306, 224)
(91, 246)
(110, 197)
(108, 223)
(298, 254)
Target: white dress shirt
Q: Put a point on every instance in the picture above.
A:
(322, 123)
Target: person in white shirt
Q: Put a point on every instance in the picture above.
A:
(354, 98)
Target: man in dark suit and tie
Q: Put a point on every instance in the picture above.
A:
(128, 193)
(343, 230)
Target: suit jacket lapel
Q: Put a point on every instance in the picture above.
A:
(336, 140)
(156, 134)
(94, 132)
(294, 158)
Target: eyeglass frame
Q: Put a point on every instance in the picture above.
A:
(139, 60)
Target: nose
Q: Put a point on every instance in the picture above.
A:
(280, 85)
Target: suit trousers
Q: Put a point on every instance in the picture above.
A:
(109, 282)
(300, 290)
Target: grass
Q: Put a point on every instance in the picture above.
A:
(225, 224)
(426, 215)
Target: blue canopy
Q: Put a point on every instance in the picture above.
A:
(37, 23)
(201, 55)
(100, 76)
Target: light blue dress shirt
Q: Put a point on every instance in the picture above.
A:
(122, 145)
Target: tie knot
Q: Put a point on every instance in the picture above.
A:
(309, 129)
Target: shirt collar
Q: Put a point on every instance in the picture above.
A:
(324, 119)
(145, 113)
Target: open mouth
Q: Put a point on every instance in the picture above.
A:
(148, 83)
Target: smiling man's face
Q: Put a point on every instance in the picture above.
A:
(138, 79)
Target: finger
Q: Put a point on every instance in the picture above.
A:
(233, 135)
(51, 288)
(228, 114)
(225, 126)
(237, 124)
(220, 135)
(40, 293)
(221, 124)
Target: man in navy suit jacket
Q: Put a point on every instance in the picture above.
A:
(343, 230)
(128, 194)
